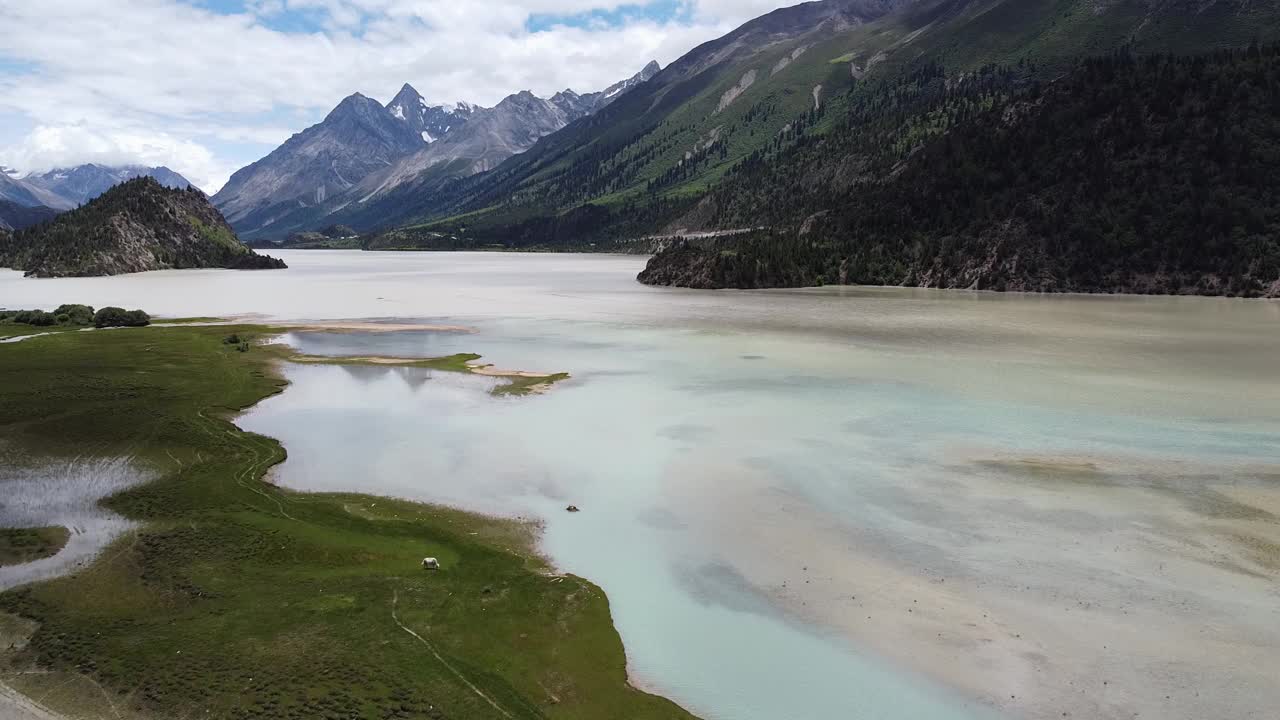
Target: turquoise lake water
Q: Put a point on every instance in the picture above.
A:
(815, 504)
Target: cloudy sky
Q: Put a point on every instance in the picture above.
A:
(207, 86)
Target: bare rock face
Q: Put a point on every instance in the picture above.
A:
(429, 122)
(491, 135)
(317, 164)
(363, 151)
(136, 226)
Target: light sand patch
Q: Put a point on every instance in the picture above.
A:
(333, 326)
(491, 371)
(369, 326)
(361, 360)
(16, 706)
(1259, 496)
(1044, 599)
(518, 378)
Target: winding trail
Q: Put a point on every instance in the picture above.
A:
(395, 600)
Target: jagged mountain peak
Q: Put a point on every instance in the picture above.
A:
(354, 104)
(429, 122)
(336, 164)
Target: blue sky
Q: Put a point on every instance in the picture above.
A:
(208, 86)
(659, 11)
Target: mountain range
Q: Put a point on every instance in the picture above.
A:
(19, 217)
(66, 188)
(1044, 145)
(768, 141)
(648, 158)
(363, 150)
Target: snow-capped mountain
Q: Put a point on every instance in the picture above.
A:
(66, 188)
(358, 137)
(430, 122)
(17, 191)
(82, 183)
(363, 150)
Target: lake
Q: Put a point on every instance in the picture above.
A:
(811, 504)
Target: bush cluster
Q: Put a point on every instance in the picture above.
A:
(119, 317)
(73, 315)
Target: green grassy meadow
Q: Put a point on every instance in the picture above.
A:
(236, 599)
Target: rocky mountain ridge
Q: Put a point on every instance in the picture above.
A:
(69, 187)
(82, 183)
(326, 173)
(430, 122)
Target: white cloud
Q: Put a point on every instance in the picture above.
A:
(177, 79)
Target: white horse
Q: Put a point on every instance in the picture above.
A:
(430, 564)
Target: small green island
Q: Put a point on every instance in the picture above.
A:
(233, 598)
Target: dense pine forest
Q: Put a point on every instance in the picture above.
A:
(1131, 173)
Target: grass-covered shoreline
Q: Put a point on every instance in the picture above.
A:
(23, 545)
(238, 599)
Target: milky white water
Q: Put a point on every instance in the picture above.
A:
(63, 494)
(835, 503)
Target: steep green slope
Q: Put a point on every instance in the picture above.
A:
(638, 167)
(689, 109)
(136, 226)
(1150, 174)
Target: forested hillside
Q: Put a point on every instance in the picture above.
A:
(640, 168)
(135, 226)
(1151, 174)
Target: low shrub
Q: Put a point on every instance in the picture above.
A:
(38, 318)
(119, 317)
(76, 314)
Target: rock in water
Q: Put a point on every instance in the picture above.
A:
(136, 226)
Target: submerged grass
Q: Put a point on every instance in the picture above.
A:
(22, 545)
(236, 599)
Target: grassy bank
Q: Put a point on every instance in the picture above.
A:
(236, 599)
(22, 545)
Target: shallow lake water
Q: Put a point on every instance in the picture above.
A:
(63, 494)
(830, 503)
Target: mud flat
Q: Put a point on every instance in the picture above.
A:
(1048, 587)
